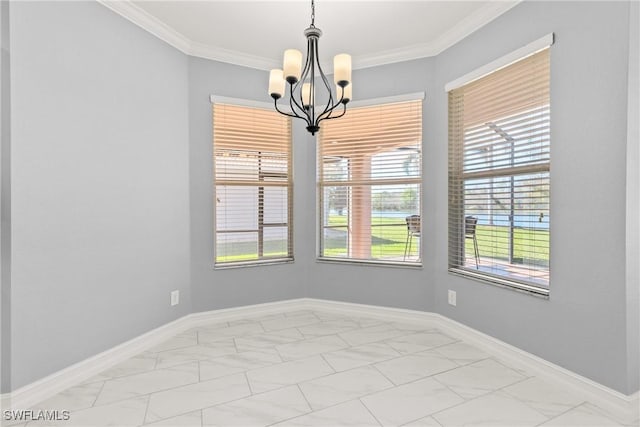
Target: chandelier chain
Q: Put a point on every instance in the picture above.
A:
(313, 13)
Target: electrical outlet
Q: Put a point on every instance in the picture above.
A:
(452, 297)
(175, 298)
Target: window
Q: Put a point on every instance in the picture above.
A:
(253, 186)
(499, 139)
(369, 183)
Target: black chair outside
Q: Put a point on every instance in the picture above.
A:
(413, 230)
(470, 223)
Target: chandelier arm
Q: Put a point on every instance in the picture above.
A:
(330, 105)
(312, 79)
(300, 84)
(332, 108)
(329, 117)
(294, 115)
(328, 112)
(293, 103)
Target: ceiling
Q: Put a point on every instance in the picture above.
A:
(255, 33)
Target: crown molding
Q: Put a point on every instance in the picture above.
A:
(471, 23)
(232, 57)
(148, 22)
(407, 53)
(128, 10)
(138, 16)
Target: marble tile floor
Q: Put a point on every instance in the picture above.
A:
(310, 368)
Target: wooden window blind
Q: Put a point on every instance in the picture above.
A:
(499, 164)
(369, 182)
(253, 185)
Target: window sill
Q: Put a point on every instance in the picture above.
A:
(257, 263)
(370, 263)
(502, 283)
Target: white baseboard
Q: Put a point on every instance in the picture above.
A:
(5, 401)
(622, 407)
(235, 313)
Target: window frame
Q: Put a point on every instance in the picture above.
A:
(457, 178)
(262, 177)
(321, 184)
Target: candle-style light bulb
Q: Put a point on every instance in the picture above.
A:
(292, 65)
(342, 69)
(276, 84)
(306, 94)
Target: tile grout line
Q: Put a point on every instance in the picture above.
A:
(305, 398)
(329, 364)
(568, 410)
(502, 389)
(379, 391)
(373, 364)
(451, 390)
(146, 410)
(369, 411)
(524, 372)
(246, 377)
(155, 363)
(556, 416)
(466, 400)
(387, 378)
(598, 411)
(98, 395)
(199, 409)
(153, 392)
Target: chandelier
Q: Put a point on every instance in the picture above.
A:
(302, 82)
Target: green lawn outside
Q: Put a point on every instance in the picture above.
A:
(248, 251)
(531, 246)
(389, 238)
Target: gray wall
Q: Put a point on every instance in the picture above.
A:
(582, 326)
(222, 288)
(100, 202)
(633, 201)
(5, 203)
